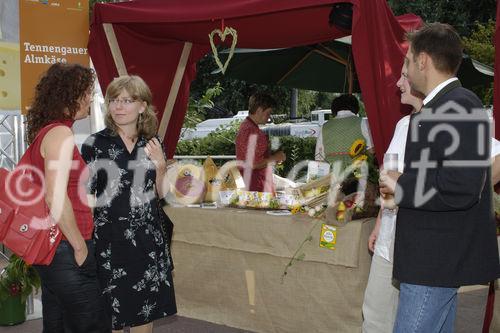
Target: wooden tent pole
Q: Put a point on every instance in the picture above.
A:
(174, 89)
(334, 55)
(301, 60)
(329, 56)
(350, 77)
(115, 48)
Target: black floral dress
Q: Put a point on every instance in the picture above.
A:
(134, 265)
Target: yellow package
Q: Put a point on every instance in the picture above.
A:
(328, 237)
(211, 182)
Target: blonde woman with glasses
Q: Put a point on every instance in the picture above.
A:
(127, 162)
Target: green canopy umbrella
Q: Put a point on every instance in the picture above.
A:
(322, 67)
(474, 74)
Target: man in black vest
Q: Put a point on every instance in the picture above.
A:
(445, 235)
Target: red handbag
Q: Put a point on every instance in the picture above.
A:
(26, 227)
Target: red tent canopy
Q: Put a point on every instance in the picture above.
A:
(161, 41)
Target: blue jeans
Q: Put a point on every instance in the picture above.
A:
(425, 309)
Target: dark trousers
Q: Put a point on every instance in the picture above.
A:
(71, 296)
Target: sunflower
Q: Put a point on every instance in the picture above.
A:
(357, 147)
(295, 209)
(357, 162)
(361, 158)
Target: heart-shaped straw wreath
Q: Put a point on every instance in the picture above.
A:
(222, 34)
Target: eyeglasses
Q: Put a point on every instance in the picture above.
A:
(125, 101)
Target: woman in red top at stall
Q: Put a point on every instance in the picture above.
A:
(252, 145)
(71, 296)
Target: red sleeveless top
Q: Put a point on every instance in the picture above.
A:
(78, 178)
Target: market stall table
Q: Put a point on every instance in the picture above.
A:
(229, 262)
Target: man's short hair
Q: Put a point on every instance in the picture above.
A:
(262, 100)
(441, 42)
(345, 102)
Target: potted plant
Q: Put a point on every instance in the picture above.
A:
(17, 282)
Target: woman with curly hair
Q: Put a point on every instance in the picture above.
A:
(128, 166)
(70, 289)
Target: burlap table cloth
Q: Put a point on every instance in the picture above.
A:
(229, 262)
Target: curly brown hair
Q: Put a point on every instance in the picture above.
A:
(57, 96)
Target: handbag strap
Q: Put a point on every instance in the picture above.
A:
(26, 158)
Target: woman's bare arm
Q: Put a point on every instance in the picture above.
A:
(57, 151)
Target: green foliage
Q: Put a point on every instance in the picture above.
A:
(316, 100)
(459, 14)
(18, 278)
(306, 102)
(362, 110)
(298, 255)
(296, 150)
(496, 205)
(373, 168)
(473, 19)
(324, 99)
(221, 142)
(236, 92)
(479, 45)
(194, 115)
(196, 109)
(484, 93)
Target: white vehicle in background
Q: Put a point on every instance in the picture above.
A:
(306, 129)
(241, 115)
(301, 129)
(207, 126)
(320, 116)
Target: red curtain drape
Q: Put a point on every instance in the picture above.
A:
(151, 35)
(490, 304)
(496, 91)
(379, 50)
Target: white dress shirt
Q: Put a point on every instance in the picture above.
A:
(437, 89)
(384, 246)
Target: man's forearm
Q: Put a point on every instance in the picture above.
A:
(264, 163)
